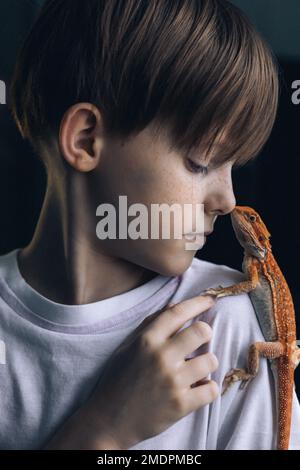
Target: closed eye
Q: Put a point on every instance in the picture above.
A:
(195, 168)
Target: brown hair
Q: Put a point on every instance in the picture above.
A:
(195, 67)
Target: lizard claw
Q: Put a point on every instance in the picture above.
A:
(215, 291)
(235, 375)
(296, 357)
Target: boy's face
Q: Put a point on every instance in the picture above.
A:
(145, 170)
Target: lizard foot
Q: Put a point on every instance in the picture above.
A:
(215, 291)
(235, 375)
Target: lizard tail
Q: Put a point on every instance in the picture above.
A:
(285, 401)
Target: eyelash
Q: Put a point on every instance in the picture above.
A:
(197, 168)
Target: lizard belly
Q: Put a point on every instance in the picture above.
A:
(261, 298)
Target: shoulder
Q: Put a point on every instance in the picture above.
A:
(202, 274)
(232, 318)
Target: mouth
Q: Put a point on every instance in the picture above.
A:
(196, 235)
(192, 236)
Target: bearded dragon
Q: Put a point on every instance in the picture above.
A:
(273, 305)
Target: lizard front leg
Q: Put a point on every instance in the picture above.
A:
(240, 288)
(270, 350)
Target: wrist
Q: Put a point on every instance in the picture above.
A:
(84, 430)
(105, 435)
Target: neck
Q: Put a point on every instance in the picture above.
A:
(65, 261)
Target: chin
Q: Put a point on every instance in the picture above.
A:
(167, 259)
(173, 265)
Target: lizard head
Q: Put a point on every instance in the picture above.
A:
(250, 231)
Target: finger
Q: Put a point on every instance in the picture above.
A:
(197, 369)
(188, 340)
(152, 316)
(172, 319)
(144, 323)
(202, 395)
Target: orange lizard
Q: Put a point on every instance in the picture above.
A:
(273, 304)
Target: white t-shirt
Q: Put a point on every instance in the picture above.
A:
(55, 354)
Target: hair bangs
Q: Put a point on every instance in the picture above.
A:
(225, 100)
(195, 69)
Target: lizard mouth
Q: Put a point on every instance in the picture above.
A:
(245, 240)
(241, 232)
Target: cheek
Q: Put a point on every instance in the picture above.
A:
(175, 187)
(137, 182)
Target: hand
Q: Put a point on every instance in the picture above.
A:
(145, 386)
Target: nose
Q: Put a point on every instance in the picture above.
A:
(220, 198)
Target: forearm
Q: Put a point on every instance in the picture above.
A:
(80, 433)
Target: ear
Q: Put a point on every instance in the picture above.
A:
(81, 136)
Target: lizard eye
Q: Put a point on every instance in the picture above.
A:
(252, 218)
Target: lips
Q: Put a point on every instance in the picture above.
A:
(197, 234)
(195, 237)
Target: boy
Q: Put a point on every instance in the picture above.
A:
(156, 101)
